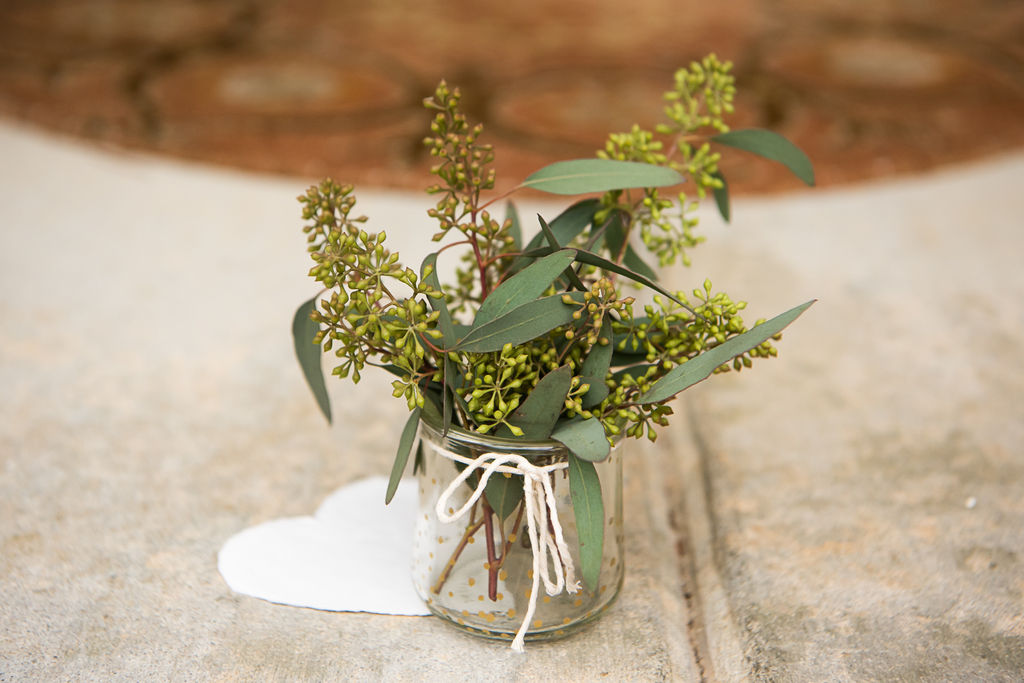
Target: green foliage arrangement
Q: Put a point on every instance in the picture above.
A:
(538, 339)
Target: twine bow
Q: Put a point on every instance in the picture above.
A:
(539, 499)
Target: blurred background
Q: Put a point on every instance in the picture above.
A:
(869, 89)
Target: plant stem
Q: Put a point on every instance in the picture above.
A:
(470, 530)
(512, 536)
(492, 560)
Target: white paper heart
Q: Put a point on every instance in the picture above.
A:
(354, 555)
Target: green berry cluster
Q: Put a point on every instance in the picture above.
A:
(361, 318)
(702, 96)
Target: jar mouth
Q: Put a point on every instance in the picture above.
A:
(460, 436)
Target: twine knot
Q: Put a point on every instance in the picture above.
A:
(541, 519)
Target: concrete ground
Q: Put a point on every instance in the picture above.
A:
(850, 511)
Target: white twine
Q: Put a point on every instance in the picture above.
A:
(539, 499)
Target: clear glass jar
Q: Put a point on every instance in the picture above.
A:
(452, 567)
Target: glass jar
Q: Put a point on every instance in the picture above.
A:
(476, 572)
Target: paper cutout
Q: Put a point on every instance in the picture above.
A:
(353, 555)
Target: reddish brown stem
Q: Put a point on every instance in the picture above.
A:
(492, 560)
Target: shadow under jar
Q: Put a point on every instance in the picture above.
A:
(476, 572)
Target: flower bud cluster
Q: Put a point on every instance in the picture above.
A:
(359, 315)
(496, 383)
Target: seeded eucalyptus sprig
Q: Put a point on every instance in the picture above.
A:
(540, 340)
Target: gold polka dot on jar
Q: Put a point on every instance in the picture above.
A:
(511, 538)
(537, 623)
(577, 602)
(512, 613)
(481, 614)
(451, 594)
(566, 620)
(433, 481)
(547, 598)
(503, 575)
(487, 566)
(489, 618)
(501, 596)
(527, 592)
(560, 632)
(480, 598)
(604, 588)
(472, 539)
(472, 581)
(465, 612)
(440, 539)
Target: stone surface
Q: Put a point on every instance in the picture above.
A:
(152, 408)
(860, 516)
(868, 89)
(849, 511)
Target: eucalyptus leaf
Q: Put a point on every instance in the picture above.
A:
(444, 320)
(585, 439)
(524, 286)
(402, 456)
(447, 390)
(614, 236)
(770, 145)
(585, 490)
(515, 230)
(570, 274)
(503, 493)
(722, 197)
(696, 369)
(537, 415)
(583, 176)
(596, 366)
(304, 331)
(565, 227)
(633, 261)
(521, 324)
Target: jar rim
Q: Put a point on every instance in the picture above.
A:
(463, 437)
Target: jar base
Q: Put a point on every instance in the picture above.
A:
(533, 635)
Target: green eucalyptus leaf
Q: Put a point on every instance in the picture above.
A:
(304, 331)
(565, 227)
(633, 261)
(503, 493)
(519, 325)
(537, 415)
(583, 176)
(432, 406)
(444, 320)
(514, 230)
(402, 456)
(585, 490)
(570, 274)
(596, 366)
(614, 236)
(697, 369)
(585, 439)
(770, 145)
(524, 286)
(449, 391)
(722, 197)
